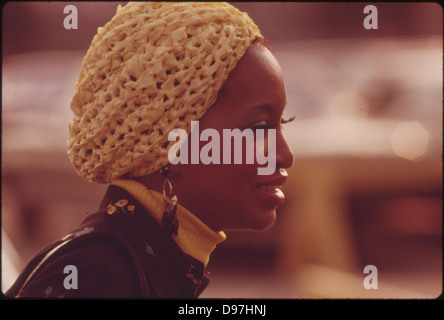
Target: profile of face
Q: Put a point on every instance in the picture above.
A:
(233, 196)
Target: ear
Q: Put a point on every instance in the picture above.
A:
(173, 170)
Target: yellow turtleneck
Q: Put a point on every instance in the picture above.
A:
(194, 237)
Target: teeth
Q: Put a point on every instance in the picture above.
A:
(269, 188)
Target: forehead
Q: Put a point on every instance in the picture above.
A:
(257, 80)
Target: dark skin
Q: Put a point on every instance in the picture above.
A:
(233, 196)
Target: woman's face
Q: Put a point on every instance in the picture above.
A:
(233, 196)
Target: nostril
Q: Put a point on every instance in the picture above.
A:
(284, 155)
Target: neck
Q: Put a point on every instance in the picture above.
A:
(155, 181)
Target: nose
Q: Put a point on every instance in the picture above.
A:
(284, 155)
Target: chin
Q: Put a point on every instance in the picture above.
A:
(253, 219)
(263, 222)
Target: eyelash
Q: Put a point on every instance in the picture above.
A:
(284, 121)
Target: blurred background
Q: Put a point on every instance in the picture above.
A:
(366, 187)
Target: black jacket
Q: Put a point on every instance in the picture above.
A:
(118, 252)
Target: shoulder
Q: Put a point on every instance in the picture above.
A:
(87, 267)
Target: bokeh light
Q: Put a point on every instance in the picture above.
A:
(410, 140)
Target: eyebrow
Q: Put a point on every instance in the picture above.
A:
(263, 107)
(260, 108)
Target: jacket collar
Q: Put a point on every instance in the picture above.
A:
(171, 273)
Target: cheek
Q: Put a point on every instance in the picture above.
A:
(219, 179)
(230, 179)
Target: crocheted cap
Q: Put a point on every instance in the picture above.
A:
(152, 68)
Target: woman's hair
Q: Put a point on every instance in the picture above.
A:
(153, 68)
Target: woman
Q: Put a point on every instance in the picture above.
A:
(153, 68)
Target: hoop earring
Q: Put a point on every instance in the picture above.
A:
(169, 217)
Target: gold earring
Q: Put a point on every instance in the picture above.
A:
(169, 217)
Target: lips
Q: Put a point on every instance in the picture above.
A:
(269, 189)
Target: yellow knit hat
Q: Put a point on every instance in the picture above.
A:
(152, 68)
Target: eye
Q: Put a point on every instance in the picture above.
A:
(263, 124)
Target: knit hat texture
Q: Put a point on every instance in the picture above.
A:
(152, 68)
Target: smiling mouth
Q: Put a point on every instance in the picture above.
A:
(270, 190)
(271, 194)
